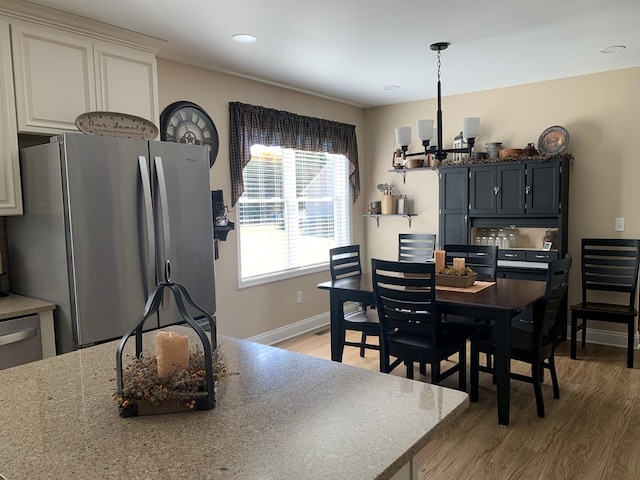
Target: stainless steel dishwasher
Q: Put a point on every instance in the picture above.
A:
(20, 341)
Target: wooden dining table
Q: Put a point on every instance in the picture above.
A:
(499, 302)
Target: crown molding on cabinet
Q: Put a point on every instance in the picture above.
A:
(32, 13)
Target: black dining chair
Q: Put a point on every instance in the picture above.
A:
(535, 345)
(482, 259)
(609, 266)
(416, 247)
(345, 262)
(410, 327)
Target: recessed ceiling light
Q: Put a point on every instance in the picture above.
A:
(243, 38)
(612, 49)
(390, 88)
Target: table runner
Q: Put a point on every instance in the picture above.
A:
(475, 288)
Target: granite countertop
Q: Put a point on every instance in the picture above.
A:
(285, 416)
(16, 306)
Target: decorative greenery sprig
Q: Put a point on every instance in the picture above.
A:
(141, 381)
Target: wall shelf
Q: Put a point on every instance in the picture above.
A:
(403, 171)
(378, 215)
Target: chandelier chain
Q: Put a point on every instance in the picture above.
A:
(439, 63)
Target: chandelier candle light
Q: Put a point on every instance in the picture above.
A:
(426, 131)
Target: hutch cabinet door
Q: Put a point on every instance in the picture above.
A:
(510, 196)
(483, 190)
(543, 187)
(454, 218)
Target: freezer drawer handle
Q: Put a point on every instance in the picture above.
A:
(16, 337)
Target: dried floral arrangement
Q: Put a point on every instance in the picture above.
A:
(142, 383)
(455, 272)
(520, 158)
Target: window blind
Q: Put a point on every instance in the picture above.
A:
(294, 208)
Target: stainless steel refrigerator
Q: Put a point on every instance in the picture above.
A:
(101, 218)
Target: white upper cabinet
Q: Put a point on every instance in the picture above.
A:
(126, 81)
(54, 78)
(64, 66)
(10, 191)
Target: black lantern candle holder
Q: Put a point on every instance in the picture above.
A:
(130, 407)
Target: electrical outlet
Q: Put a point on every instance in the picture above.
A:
(299, 297)
(619, 227)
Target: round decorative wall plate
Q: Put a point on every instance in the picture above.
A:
(554, 140)
(120, 125)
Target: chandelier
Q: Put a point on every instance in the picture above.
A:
(426, 132)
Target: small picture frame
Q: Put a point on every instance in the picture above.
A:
(546, 246)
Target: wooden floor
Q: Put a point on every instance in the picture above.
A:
(591, 432)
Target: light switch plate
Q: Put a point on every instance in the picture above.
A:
(619, 227)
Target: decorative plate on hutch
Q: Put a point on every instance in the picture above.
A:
(553, 141)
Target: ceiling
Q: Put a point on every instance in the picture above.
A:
(349, 50)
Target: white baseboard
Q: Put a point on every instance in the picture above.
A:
(600, 337)
(298, 328)
(606, 337)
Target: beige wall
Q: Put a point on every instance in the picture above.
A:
(252, 311)
(601, 114)
(598, 110)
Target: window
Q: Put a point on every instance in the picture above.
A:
(294, 208)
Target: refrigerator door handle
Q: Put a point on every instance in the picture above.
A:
(163, 265)
(148, 215)
(164, 212)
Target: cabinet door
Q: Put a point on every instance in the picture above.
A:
(543, 187)
(454, 218)
(10, 190)
(482, 190)
(126, 81)
(54, 78)
(510, 197)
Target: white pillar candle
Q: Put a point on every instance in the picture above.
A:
(172, 350)
(458, 264)
(440, 259)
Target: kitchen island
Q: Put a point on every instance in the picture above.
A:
(284, 416)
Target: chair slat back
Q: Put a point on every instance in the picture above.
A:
(416, 247)
(545, 323)
(405, 295)
(482, 259)
(610, 265)
(344, 261)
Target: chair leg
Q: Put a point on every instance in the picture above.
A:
(474, 372)
(462, 369)
(574, 335)
(554, 375)
(423, 368)
(537, 388)
(409, 366)
(489, 362)
(362, 343)
(630, 334)
(584, 332)
(384, 359)
(435, 372)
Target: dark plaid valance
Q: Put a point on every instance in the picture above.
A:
(253, 125)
